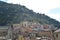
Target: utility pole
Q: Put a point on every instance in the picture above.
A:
(11, 28)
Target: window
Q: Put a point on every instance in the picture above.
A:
(57, 35)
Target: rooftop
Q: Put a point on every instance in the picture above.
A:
(4, 27)
(57, 31)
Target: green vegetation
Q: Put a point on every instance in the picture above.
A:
(14, 13)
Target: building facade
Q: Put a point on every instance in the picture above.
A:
(57, 34)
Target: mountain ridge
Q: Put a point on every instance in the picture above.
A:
(14, 13)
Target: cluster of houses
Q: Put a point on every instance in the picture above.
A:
(29, 31)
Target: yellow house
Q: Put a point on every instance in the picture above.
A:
(16, 25)
(20, 37)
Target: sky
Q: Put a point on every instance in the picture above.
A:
(48, 7)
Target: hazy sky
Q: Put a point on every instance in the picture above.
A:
(49, 7)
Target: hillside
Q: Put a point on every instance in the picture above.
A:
(14, 13)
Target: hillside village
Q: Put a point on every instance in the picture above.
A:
(17, 22)
(29, 31)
